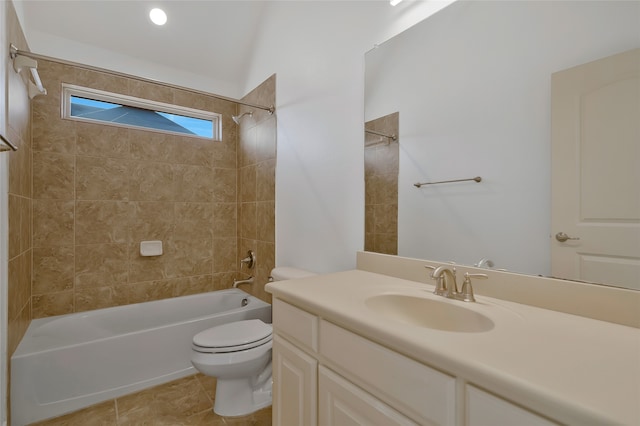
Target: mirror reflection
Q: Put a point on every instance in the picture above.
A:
(472, 85)
(381, 184)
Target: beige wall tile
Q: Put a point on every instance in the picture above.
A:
(266, 221)
(90, 298)
(193, 183)
(99, 178)
(19, 290)
(194, 151)
(26, 234)
(53, 176)
(194, 221)
(266, 140)
(223, 280)
(100, 222)
(224, 154)
(247, 142)
(151, 290)
(146, 268)
(101, 265)
(224, 185)
(151, 181)
(53, 269)
(151, 221)
(248, 221)
(266, 181)
(225, 218)
(50, 132)
(151, 146)
(97, 140)
(53, 223)
(247, 182)
(193, 285)
(15, 226)
(225, 254)
(47, 305)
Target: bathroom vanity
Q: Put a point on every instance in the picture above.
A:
(362, 347)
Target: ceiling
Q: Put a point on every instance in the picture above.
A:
(203, 37)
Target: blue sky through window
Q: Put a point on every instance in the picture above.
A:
(123, 114)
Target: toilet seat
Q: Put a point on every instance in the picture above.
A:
(233, 337)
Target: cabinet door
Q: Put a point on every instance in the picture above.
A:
(342, 403)
(484, 409)
(294, 385)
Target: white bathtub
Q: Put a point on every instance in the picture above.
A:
(69, 362)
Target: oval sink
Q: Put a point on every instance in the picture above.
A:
(429, 313)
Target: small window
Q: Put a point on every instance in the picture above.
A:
(81, 103)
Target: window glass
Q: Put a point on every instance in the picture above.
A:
(110, 108)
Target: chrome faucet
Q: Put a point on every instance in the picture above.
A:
(446, 285)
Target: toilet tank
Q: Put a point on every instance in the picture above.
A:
(287, 273)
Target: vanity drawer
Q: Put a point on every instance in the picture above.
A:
(295, 324)
(422, 393)
(486, 409)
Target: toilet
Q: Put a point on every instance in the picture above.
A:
(238, 354)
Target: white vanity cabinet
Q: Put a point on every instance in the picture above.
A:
(324, 374)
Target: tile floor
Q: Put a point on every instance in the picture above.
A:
(187, 402)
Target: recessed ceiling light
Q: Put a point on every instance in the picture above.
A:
(394, 2)
(158, 16)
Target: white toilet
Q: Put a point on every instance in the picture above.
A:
(238, 354)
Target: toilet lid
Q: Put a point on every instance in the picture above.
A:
(233, 336)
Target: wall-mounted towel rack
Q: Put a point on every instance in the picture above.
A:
(390, 137)
(19, 62)
(6, 145)
(476, 179)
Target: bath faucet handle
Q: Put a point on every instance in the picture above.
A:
(466, 293)
(250, 260)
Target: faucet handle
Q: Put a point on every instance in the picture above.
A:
(466, 293)
(441, 289)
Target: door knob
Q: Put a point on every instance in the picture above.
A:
(562, 237)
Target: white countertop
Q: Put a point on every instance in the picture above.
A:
(575, 370)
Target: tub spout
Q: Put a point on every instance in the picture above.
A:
(236, 283)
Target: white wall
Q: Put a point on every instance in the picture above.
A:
(317, 50)
(472, 85)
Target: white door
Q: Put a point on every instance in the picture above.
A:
(595, 112)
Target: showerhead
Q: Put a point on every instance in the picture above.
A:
(237, 118)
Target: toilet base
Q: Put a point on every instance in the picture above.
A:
(238, 397)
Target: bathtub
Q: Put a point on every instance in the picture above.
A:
(69, 362)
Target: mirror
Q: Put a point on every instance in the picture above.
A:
(472, 88)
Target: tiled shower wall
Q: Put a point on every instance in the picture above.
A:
(256, 177)
(381, 186)
(20, 201)
(99, 190)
